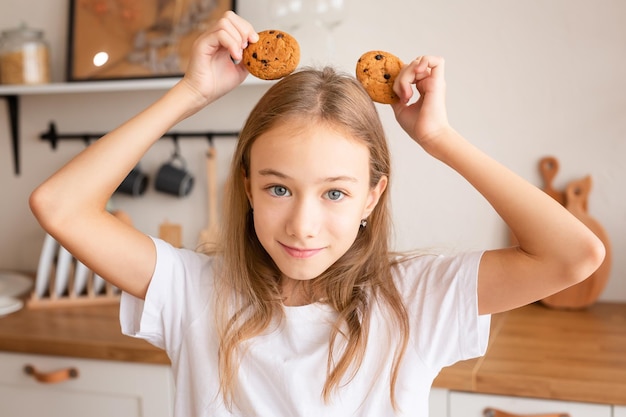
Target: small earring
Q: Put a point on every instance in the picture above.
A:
(363, 223)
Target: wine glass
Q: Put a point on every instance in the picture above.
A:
(288, 15)
(329, 14)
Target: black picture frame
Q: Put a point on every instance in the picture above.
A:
(135, 39)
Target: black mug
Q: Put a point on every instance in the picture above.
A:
(173, 179)
(134, 184)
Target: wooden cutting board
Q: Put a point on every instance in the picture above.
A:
(587, 292)
(548, 168)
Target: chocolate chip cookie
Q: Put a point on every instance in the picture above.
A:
(376, 71)
(275, 55)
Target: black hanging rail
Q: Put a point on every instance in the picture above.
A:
(54, 137)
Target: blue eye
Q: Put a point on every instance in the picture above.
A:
(278, 191)
(335, 195)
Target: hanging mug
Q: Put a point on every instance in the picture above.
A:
(173, 177)
(134, 184)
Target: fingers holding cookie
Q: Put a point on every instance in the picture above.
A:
(212, 54)
(233, 33)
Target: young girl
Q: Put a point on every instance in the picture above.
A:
(302, 309)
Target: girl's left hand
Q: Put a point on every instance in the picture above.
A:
(424, 119)
(212, 71)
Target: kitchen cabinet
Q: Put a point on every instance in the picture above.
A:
(472, 405)
(438, 403)
(101, 388)
(619, 411)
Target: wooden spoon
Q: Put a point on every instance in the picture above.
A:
(587, 292)
(209, 236)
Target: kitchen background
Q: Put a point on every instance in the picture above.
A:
(525, 79)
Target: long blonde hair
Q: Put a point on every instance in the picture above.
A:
(248, 295)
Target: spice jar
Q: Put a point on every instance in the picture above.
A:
(24, 57)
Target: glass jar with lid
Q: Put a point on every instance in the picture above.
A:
(24, 57)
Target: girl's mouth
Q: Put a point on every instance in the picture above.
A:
(300, 253)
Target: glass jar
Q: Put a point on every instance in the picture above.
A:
(24, 57)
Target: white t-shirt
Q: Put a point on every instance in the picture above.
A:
(284, 371)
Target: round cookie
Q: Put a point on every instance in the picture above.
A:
(275, 55)
(376, 71)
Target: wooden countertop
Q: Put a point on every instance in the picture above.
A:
(533, 351)
(84, 332)
(539, 352)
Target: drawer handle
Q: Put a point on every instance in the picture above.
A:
(51, 377)
(492, 412)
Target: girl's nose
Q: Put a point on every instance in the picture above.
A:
(304, 220)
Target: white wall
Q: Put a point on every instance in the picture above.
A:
(525, 79)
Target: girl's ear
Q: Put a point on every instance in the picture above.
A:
(374, 196)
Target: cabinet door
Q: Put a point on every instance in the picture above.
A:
(438, 403)
(472, 405)
(102, 388)
(619, 411)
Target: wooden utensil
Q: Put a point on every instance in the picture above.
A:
(587, 292)
(548, 168)
(492, 412)
(171, 233)
(209, 236)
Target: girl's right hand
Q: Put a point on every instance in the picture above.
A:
(425, 119)
(211, 72)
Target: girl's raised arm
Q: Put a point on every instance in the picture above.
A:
(555, 249)
(71, 204)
